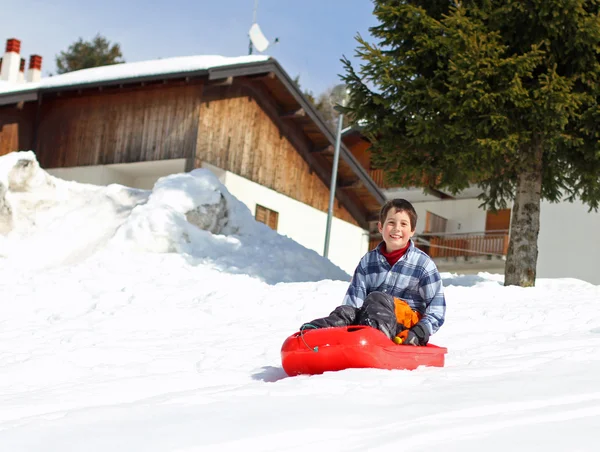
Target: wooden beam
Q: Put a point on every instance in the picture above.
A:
(268, 75)
(295, 114)
(227, 81)
(326, 149)
(351, 183)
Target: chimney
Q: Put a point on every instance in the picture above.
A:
(34, 74)
(11, 61)
(21, 76)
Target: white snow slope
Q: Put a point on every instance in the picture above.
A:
(124, 326)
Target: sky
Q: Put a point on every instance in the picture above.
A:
(153, 320)
(313, 35)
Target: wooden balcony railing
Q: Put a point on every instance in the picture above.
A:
(489, 243)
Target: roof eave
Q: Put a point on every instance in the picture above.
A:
(272, 65)
(14, 97)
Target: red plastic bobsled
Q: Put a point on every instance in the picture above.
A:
(330, 349)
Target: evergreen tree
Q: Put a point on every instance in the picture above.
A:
(83, 54)
(500, 93)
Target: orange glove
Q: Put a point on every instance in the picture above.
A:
(405, 314)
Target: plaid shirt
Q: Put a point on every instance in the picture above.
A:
(414, 278)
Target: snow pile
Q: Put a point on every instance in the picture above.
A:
(45, 221)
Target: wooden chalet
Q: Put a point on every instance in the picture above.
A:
(248, 118)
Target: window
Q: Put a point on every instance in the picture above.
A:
(435, 223)
(267, 216)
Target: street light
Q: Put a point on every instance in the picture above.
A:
(339, 97)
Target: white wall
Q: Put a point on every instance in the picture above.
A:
(145, 183)
(568, 243)
(463, 215)
(220, 173)
(97, 175)
(302, 223)
(136, 175)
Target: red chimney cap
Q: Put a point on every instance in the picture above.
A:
(35, 62)
(13, 45)
(22, 65)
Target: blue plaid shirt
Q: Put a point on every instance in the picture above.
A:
(414, 278)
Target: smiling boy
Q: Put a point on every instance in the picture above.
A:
(396, 287)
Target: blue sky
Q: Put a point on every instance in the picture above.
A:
(313, 34)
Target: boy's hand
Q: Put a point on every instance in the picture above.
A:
(412, 339)
(417, 335)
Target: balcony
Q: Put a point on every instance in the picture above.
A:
(467, 245)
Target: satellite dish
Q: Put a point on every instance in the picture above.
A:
(257, 38)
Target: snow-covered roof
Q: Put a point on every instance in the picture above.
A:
(133, 70)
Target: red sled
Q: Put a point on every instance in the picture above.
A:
(316, 351)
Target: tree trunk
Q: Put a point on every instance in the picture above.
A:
(521, 260)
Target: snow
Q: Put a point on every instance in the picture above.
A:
(126, 327)
(132, 70)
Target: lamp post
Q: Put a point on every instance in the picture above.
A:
(339, 96)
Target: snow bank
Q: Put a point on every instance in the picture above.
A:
(46, 221)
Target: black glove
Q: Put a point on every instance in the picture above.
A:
(340, 316)
(417, 335)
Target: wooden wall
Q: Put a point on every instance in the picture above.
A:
(237, 134)
(360, 149)
(237, 127)
(16, 127)
(123, 126)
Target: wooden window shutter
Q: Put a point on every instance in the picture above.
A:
(499, 221)
(435, 223)
(267, 216)
(261, 214)
(9, 138)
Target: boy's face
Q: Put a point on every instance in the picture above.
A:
(396, 230)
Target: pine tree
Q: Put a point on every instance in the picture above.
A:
(83, 54)
(499, 93)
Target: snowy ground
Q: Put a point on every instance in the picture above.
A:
(124, 327)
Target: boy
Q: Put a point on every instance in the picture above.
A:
(396, 287)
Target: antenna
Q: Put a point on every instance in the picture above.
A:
(258, 40)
